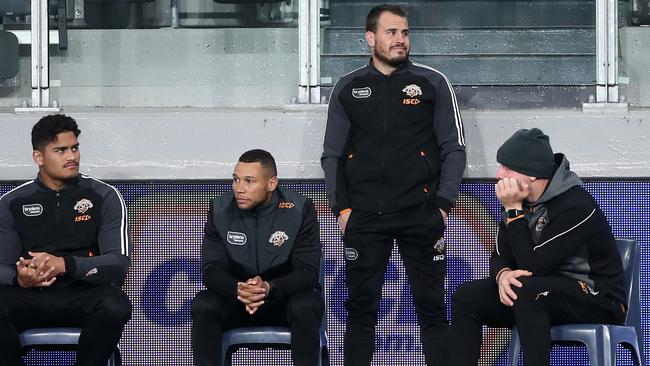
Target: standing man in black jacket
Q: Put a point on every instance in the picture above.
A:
(261, 264)
(63, 251)
(554, 262)
(394, 157)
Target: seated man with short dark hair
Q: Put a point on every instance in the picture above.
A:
(261, 264)
(63, 251)
(555, 259)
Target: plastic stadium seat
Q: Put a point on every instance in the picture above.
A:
(269, 336)
(601, 340)
(15, 7)
(59, 336)
(9, 52)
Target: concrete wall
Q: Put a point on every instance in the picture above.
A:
(183, 143)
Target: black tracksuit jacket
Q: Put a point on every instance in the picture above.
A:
(278, 241)
(85, 223)
(393, 142)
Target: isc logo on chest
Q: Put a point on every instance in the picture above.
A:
(411, 101)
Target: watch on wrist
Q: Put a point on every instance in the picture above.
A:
(512, 213)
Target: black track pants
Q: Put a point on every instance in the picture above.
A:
(541, 303)
(369, 239)
(302, 313)
(101, 311)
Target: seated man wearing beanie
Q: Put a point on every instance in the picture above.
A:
(261, 262)
(554, 262)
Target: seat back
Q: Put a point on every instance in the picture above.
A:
(15, 7)
(9, 52)
(19, 8)
(631, 259)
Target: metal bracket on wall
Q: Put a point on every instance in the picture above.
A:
(79, 9)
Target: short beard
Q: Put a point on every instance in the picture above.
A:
(395, 62)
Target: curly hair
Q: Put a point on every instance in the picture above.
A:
(48, 127)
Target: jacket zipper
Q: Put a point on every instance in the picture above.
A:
(429, 171)
(59, 234)
(257, 251)
(383, 136)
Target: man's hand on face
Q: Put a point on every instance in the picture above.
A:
(511, 193)
(507, 279)
(35, 273)
(252, 293)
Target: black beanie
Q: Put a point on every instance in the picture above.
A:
(528, 152)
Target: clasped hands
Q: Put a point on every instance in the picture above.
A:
(252, 293)
(39, 271)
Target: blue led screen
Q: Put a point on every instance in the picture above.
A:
(166, 224)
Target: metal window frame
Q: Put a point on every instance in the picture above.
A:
(607, 93)
(40, 59)
(309, 52)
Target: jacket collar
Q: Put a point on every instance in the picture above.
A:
(264, 208)
(402, 67)
(68, 185)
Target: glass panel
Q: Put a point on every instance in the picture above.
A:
(634, 58)
(172, 53)
(13, 18)
(497, 53)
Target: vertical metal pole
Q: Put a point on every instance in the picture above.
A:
(314, 51)
(601, 51)
(44, 45)
(612, 51)
(174, 13)
(303, 51)
(40, 55)
(40, 39)
(36, 53)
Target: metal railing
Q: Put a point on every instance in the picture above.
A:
(607, 51)
(309, 51)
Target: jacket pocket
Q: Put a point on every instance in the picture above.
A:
(438, 220)
(347, 225)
